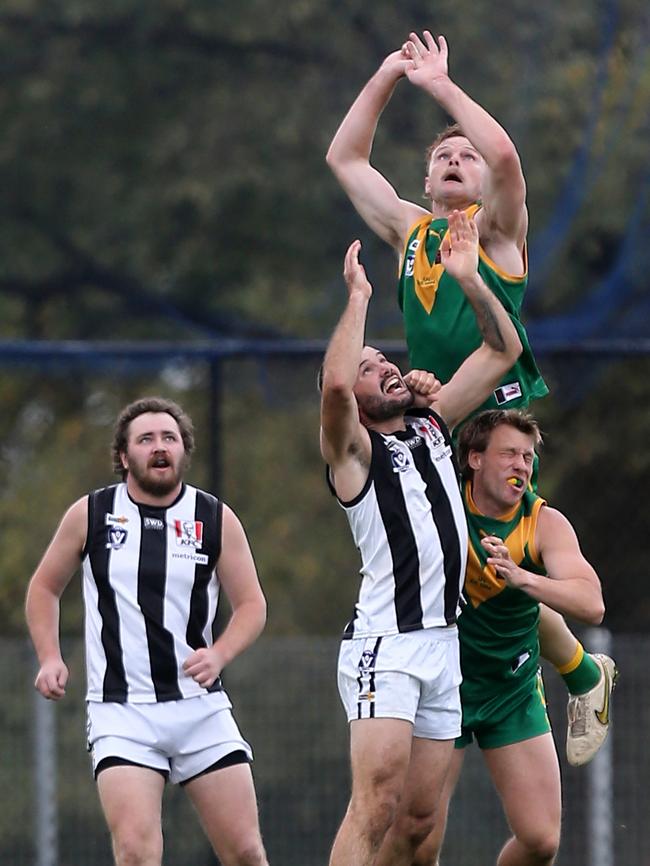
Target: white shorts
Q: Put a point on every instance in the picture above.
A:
(413, 676)
(182, 738)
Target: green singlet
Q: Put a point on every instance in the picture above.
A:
(501, 693)
(439, 322)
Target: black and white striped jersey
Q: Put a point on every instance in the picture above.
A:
(150, 593)
(409, 525)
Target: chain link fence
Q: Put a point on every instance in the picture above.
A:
(285, 700)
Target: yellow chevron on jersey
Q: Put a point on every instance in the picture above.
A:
(516, 528)
(426, 276)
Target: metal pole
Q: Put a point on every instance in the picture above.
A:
(214, 422)
(600, 779)
(47, 831)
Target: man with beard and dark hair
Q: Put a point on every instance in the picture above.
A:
(150, 549)
(385, 439)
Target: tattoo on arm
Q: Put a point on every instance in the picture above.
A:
(488, 325)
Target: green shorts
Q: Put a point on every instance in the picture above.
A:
(528, 719)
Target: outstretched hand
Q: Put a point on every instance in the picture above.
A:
(428, 58)
(354, 272)
(459, 248)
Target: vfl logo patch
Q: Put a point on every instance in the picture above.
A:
(189, 533)
(367, 661)
(398, 458)
(117, 536)
(409, 265)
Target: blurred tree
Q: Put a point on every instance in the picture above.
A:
(163, 176)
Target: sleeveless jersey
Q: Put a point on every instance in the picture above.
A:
(440, 325)
(498, 625)
(150, 593)
(409, 526)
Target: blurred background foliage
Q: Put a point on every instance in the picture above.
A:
(163, 178)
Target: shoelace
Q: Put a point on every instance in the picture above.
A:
(577, 713)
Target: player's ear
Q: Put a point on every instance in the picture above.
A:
(123, 460)
(474, 460)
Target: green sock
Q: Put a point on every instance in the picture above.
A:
(583, 677)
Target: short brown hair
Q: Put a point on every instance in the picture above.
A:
(475, 434)
(140, 407)
(454, 130)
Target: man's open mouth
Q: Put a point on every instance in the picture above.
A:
(392, 384)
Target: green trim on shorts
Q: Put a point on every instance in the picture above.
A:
(527, 720)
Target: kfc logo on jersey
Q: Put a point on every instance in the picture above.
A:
(439, 447)
(189, 533)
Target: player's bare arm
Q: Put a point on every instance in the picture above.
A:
(348, 156)
(479, 374)
(345, 444)
(503, 217)
(571, 585)
(238, 579)
(55, 570)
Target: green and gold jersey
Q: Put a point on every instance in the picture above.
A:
(439, 322)
(498, 626)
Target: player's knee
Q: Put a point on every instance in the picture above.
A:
(251, 854)
(376, 813)
(543, 845)
(414, 829)
(132, 847)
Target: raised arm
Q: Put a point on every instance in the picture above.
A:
(504, 188)
(571, 586)
(349, 158)
(345, 444)
(54, 572)
(482, 371)
(238, 578)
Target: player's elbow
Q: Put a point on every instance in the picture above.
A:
(597, 612)
(505, 159)
(334, 158)
(514, 348)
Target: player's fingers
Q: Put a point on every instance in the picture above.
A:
(418, 43)
(429, 40)
(352, 255)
